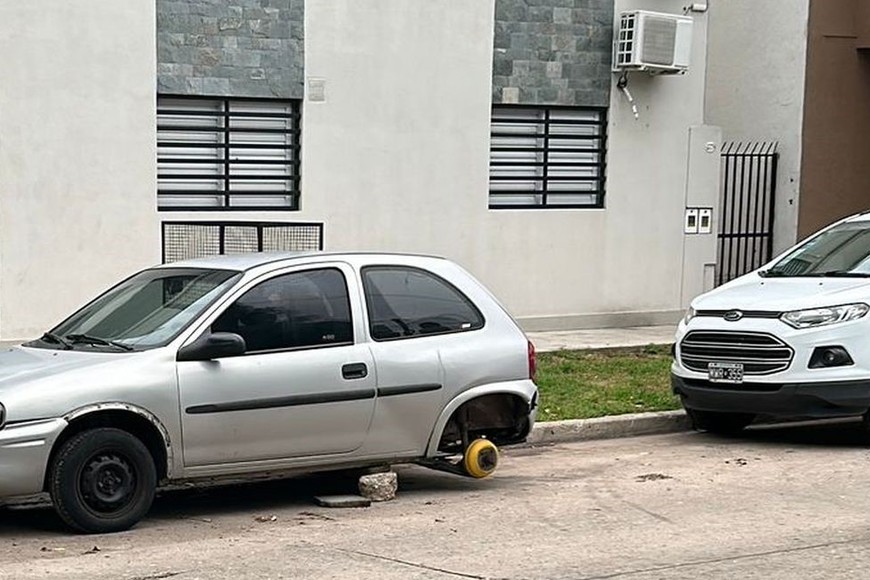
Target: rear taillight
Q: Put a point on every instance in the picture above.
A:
(533, 361)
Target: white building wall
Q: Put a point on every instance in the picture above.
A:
(77, 154)
(396, 159)
(755, 87)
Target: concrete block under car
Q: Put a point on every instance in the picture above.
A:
(379, 486)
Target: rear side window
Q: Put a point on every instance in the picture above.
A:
(298, 310)
(407, 302)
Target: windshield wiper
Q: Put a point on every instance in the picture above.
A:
(88, 339)
(771, 273)
(51, 337)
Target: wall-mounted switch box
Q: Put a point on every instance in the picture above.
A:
(705, 220)
(690, 226)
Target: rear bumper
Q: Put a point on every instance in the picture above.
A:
(811, 400)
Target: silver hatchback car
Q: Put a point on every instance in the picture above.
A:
(261, 363)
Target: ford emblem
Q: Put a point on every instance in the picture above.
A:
(733, 315)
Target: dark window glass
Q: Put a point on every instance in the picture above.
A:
(404, 302)
(291, 311)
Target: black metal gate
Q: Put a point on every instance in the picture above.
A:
(747, 203)
(185, 240)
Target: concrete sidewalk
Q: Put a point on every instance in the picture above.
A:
(602, 338)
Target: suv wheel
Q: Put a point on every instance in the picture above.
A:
(102, 480)
(721, 423)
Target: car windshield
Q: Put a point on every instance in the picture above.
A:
(843, 250)
(145, 311)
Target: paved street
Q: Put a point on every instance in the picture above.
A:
(776, 503)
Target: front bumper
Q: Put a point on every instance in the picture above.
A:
(24, 452)
(809, 400)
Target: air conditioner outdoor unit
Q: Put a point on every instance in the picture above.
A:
(653, 42)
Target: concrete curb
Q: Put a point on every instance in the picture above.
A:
(609, 427)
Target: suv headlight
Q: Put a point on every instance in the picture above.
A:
(2, 416)
(814, 317)
(690, 314)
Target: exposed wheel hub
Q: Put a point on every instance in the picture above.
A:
(488, 459)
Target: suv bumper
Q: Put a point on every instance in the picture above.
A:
(811, 400)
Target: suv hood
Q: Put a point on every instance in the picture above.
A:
(752, 292)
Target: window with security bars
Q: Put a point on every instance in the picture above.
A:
(547, 157)
(227, 154)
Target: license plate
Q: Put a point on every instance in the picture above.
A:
(725, 372)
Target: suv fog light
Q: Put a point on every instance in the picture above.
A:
(830, 356)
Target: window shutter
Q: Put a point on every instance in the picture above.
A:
(547, 157)
(227, 154)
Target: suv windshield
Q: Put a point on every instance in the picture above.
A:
(843, 250)
(145, 311)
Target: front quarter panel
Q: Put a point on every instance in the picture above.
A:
(144, 381)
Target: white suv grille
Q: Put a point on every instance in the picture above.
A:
(760, 353)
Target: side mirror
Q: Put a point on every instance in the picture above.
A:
(212, 346)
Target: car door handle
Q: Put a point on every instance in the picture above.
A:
(355, 371)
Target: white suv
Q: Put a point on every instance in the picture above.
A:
(790, 339)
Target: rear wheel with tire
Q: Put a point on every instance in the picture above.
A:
(721, 423)
(102, 480)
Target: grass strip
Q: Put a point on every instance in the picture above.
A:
(580, 384)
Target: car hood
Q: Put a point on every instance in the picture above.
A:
(752, 292)
(22, 364)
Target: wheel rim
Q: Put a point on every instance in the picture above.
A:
(108, 483)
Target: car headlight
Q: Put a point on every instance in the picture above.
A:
(2, 416)
(690, 314)
(814, 317)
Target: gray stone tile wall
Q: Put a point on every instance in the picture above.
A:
(238, 48)
(553, 52)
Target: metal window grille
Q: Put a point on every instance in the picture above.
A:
(187, 240)
(227, 154)
(747, 202)
(547, 157)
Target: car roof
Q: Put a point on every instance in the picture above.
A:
(252, 260)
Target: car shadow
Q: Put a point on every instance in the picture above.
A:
(254, 498)
(827, 433)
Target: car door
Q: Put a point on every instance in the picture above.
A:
(304, 387)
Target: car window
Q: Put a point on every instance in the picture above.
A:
(406, 302)
(149, 309)
(302, 309)
(843, 249)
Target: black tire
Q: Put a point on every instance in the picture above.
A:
(720, 423)
(102, 480)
